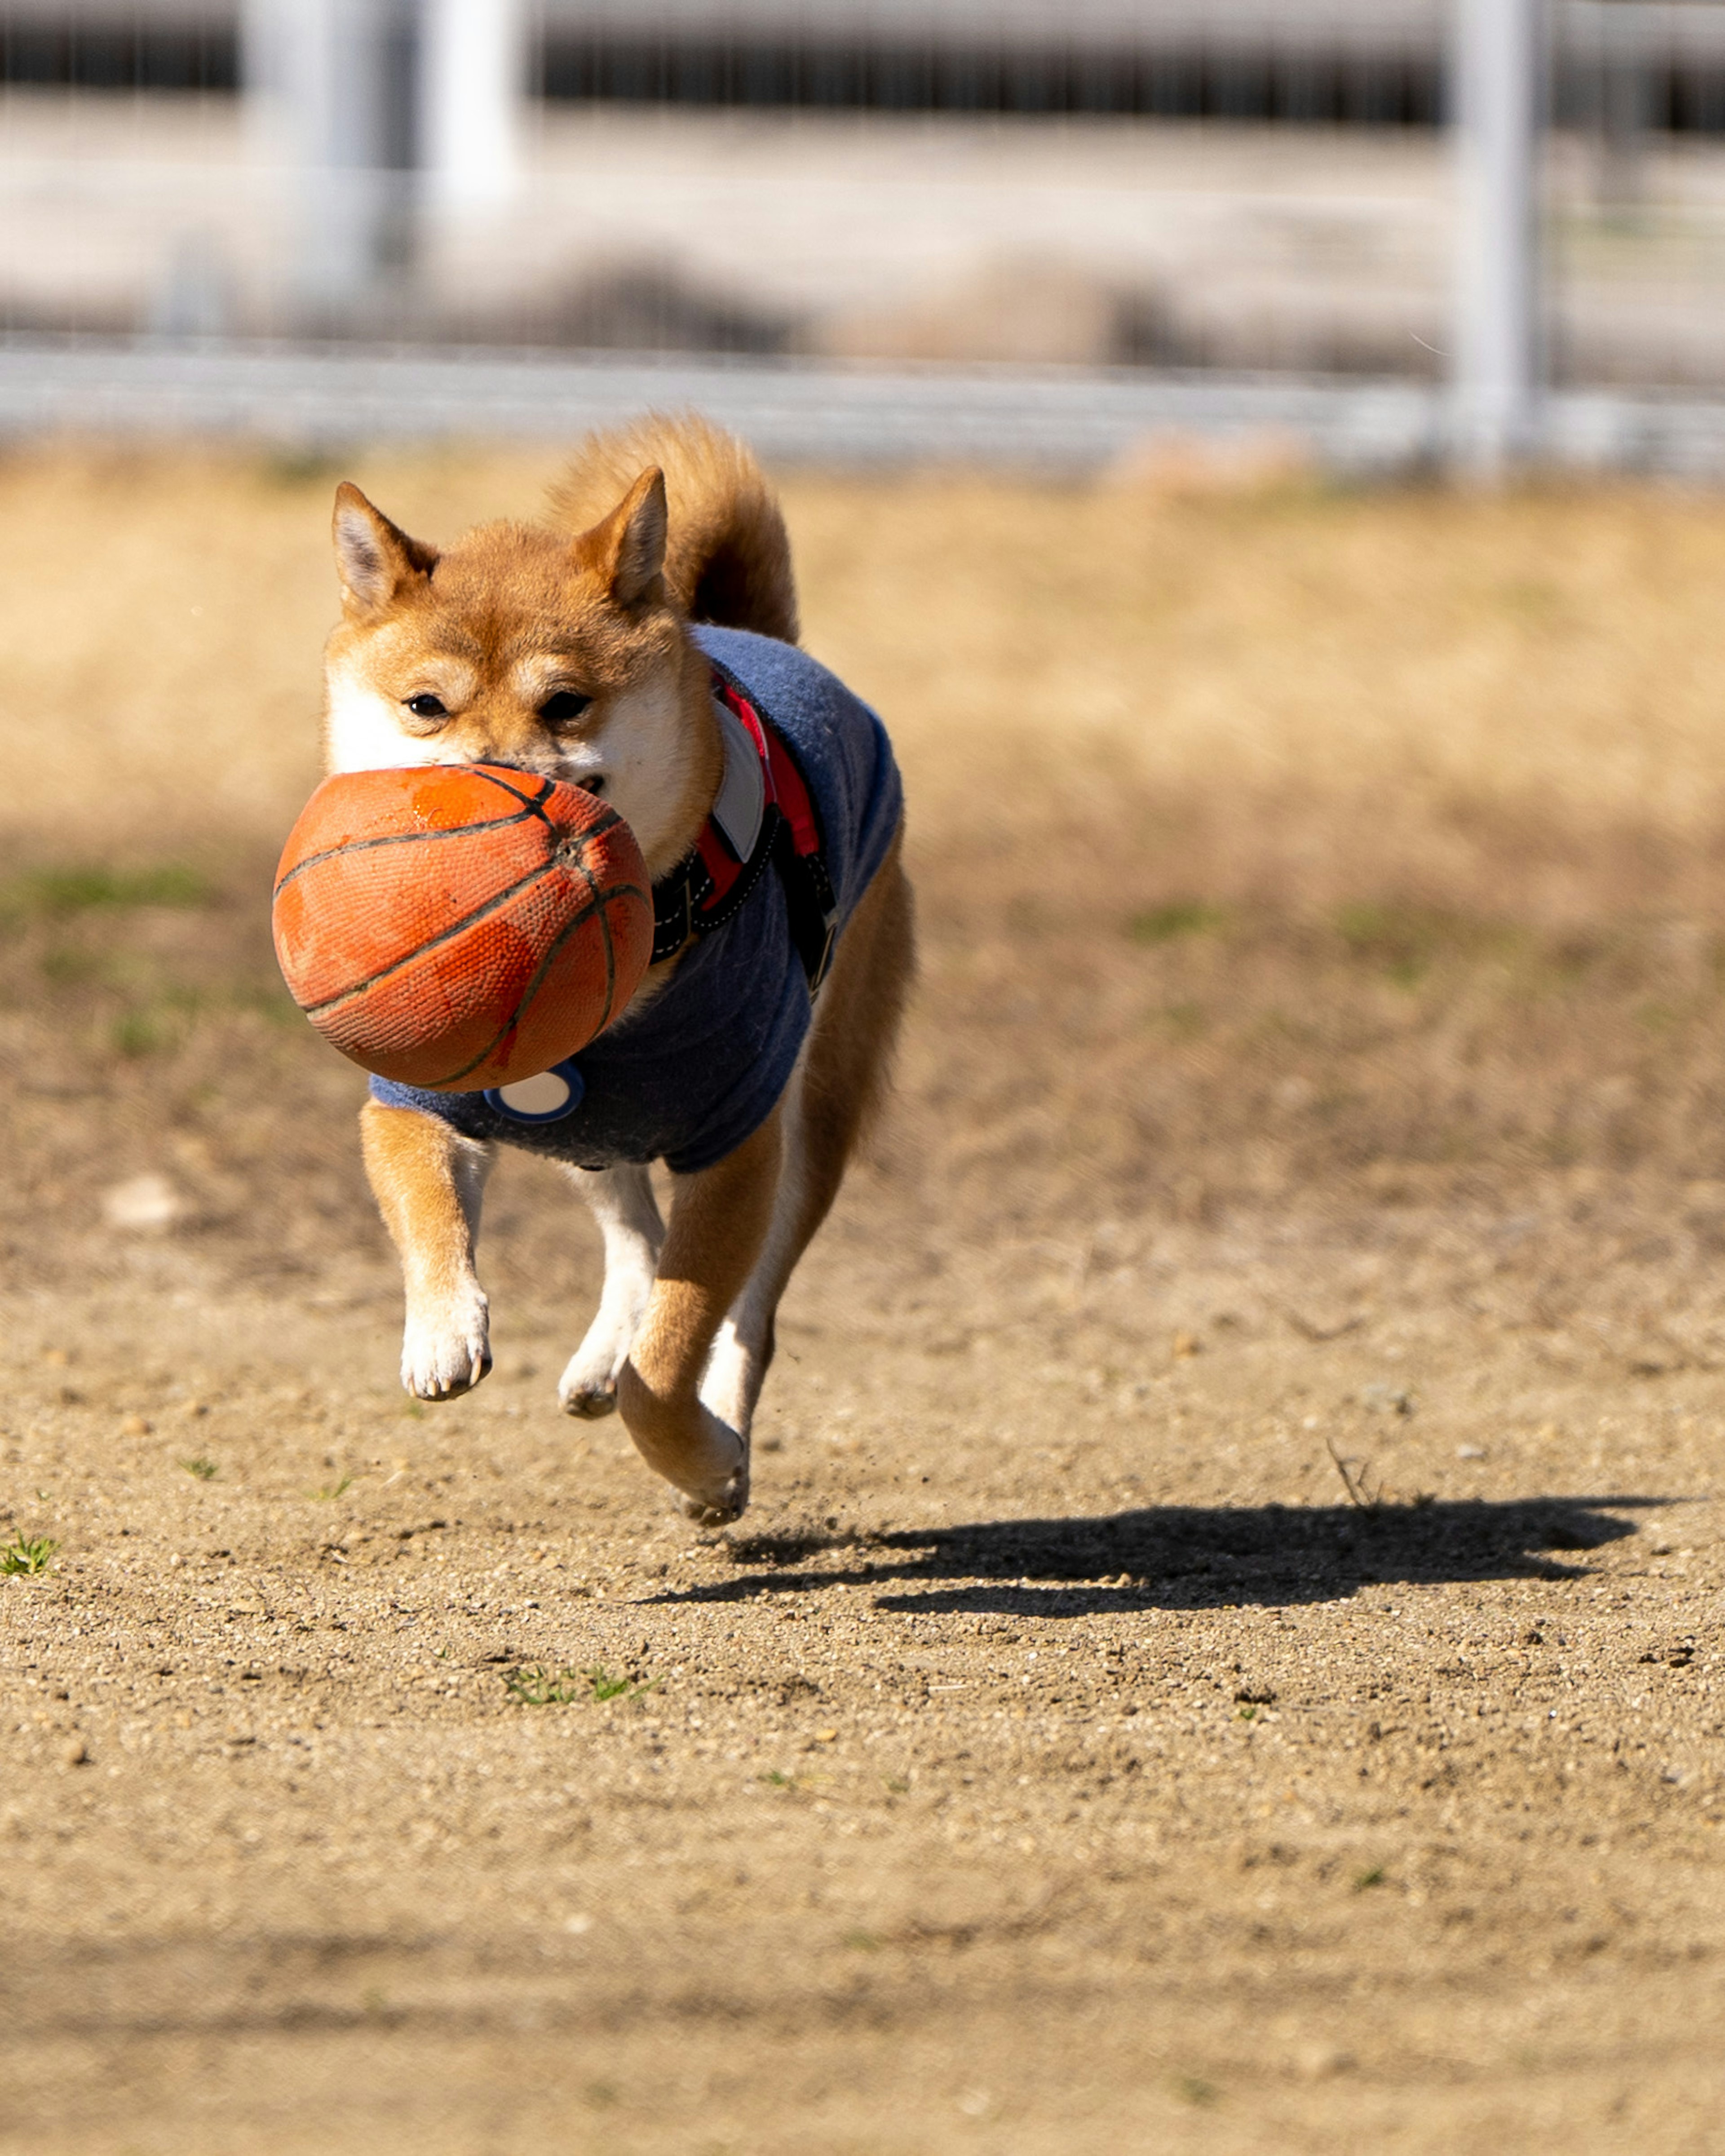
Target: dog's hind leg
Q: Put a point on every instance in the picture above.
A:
(689, 1388)
(742, 1347)
(429, 1182)
(720, 1219)
(836, 1088)
(628, 1214)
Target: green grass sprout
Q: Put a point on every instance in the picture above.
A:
(25, 1555)
(1163, 924)
(535, 1684)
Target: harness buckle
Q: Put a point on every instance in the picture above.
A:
(817, 973)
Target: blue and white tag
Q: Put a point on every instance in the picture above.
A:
(546, 1097)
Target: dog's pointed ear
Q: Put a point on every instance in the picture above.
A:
(626, 548)
(374, 558)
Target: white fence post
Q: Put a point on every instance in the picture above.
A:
(472, 79)
(1499, 97)
(331, 82)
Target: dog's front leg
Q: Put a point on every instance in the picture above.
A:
(429, 1180)
(719, 1220)
(628, 1214)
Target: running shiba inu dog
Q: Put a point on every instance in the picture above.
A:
(645, 650)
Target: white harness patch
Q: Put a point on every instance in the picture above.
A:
(741, 800)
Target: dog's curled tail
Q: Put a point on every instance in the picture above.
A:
(728, 555)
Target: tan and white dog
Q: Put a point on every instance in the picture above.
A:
(566, 650)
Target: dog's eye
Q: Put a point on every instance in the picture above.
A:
(428, 707)
(565, 704)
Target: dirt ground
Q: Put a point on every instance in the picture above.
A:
(1226, 1651)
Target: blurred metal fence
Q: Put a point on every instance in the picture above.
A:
(1131, 202)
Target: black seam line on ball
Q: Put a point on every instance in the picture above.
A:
(596, 904)
(609, 819)
(591, 883)
(533, 809)
(492, 776)
(408, 839)
(469, 921)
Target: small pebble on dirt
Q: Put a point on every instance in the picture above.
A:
(1322, 2062)
(142, 1204)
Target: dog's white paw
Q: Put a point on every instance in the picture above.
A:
(589, 1402)
(704, 1459)
(446, 1353)
(715, 1503)
(589, 1385)
(729, 1504)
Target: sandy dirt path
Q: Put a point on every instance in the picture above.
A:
(1226, 1654)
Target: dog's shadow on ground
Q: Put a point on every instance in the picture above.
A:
(1180, 1557)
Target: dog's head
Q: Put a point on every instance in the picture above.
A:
(519, 645)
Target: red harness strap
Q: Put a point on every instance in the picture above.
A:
(712, 884)
(785, 787)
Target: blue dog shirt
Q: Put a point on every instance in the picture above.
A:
(689, 1077)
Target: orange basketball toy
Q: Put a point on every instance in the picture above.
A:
(460, 926)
